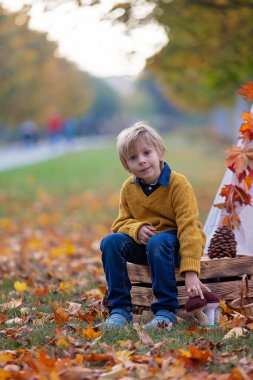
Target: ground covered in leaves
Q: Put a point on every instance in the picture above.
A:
(52, 284)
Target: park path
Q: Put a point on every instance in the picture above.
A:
(20, 155)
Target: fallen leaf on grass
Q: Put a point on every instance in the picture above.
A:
(20, 286)
(91, 332)
(4, 358)
(12, 304)
(236, 332)
(17, 321)
(144, 337)
(117, 372)
(73, 307)
(60, 315)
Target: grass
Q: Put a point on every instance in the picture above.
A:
(198, 157)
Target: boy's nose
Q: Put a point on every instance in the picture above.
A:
(141, 159)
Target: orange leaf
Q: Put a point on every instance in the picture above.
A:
(235, 219)
(246, 128)
(91, 332)
(239, 158)
(226, 221)
(96, 357)
(42, 291)
(60, 315)
(200, 355)
(248, 181)
(246, 91)
(88, 317)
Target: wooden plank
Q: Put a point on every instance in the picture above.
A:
(225, 290)
(216, 268)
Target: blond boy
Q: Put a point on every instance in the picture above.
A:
(157, 225)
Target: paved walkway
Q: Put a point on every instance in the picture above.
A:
(19, 155)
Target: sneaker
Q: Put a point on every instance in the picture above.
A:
(162, 319)
(117, 320)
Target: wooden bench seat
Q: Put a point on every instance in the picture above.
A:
(223, 276)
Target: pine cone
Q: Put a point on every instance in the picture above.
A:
(222, 244)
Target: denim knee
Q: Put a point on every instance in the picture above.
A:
(156, 244)
(112, 239)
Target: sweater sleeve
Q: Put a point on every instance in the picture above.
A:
(125, 222)
(190, 234)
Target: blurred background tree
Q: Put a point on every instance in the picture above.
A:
(34, 81)
(209, 50)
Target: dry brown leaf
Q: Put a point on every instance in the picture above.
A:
(144, 337)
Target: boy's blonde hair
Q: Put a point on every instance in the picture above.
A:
(139, 131)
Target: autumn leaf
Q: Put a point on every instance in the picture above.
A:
(235, 332)
(97, 357)
(246, 91)
(12, 304)
(226, 221)
(234, 193)
(248, 181)
(91, 332)
(246, 128)
(144, 337)
(20, 286)
(239, 158)
(4, 358)
(41, 291)
(60, 315)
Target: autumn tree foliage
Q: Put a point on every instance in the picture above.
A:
(34, 81)
(208, 54)
(240, 161)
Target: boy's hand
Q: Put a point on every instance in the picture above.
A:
(145, 233)
(193, 285)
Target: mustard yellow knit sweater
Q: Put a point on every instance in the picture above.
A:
(167, 208)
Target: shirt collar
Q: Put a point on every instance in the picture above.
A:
(164, 177)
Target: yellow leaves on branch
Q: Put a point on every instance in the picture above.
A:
(239, 158)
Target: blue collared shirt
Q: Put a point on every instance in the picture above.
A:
(163, 180)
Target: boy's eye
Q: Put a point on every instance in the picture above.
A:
(147, 152)
(131, 158)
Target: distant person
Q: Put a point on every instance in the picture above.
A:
(70, 129)
(29, 132)
(157, 225)
(55, 127)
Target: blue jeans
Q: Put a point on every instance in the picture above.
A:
(161, 254)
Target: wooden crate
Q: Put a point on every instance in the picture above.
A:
(223, 276)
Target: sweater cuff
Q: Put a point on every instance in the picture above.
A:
(134, 229)
(189, 264)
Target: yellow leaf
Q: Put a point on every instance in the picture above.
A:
(184, 353)
(4, 374)
(91, 333)
(20, 286)
(66, 287)
(62, 342)
(4, 358)
(54, 376)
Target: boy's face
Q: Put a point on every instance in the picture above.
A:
(144, 161)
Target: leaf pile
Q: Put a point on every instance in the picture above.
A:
(52, 286)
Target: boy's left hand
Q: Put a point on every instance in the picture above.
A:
(193, 285)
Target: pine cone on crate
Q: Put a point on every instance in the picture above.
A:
(222, 244)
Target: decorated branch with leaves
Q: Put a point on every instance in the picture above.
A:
(240, 161)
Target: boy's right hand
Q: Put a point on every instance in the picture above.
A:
(145, 233)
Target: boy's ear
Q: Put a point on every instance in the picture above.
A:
(161, 155)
